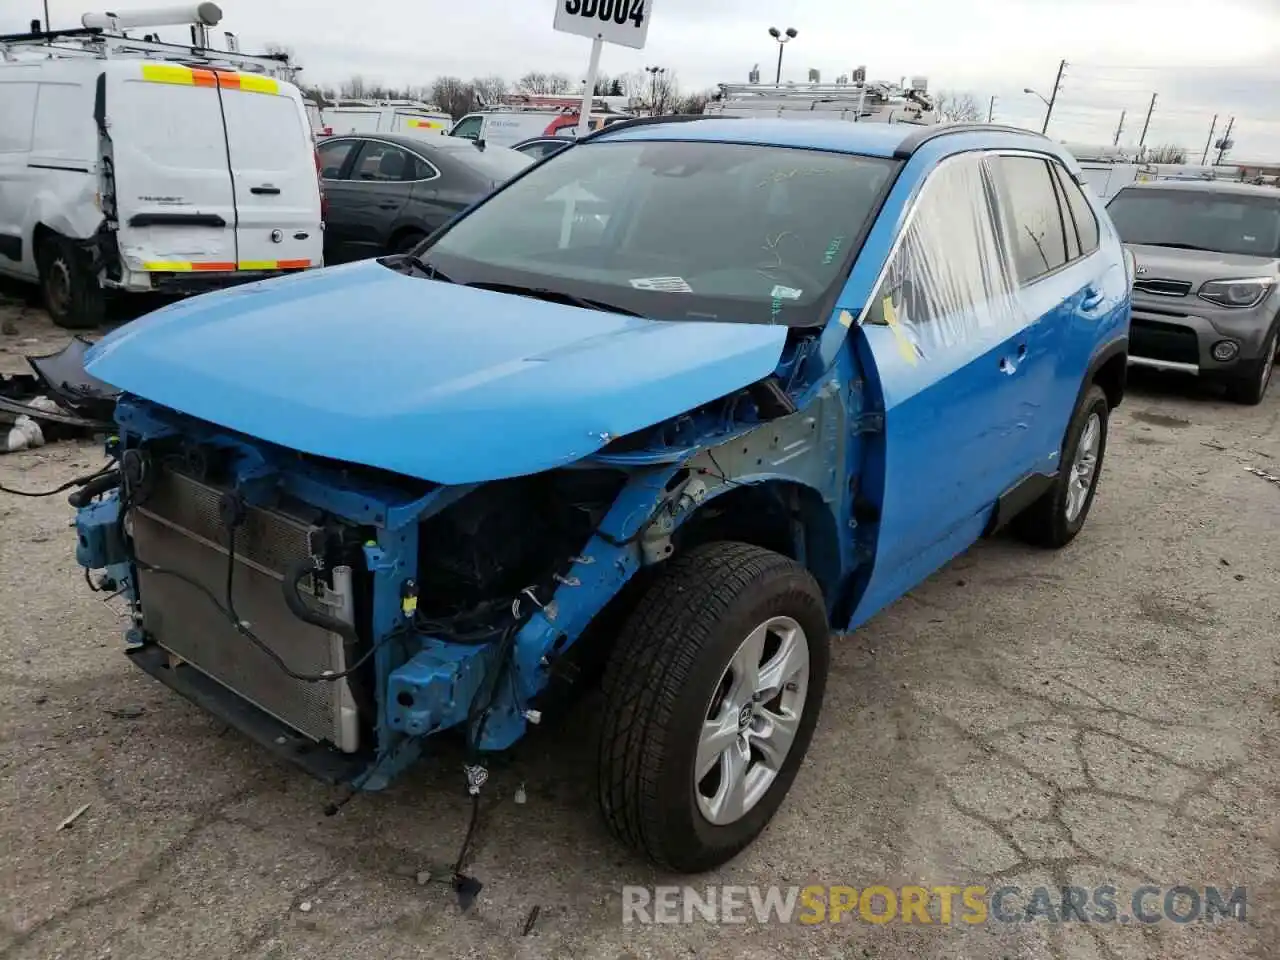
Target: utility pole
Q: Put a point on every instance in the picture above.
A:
(1213, 127)
(1225, 143)
(1150, 110)
(1053, 97)
(47, 28)
(1119, 129)
(991, 110)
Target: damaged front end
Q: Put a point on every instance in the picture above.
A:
(338, 615)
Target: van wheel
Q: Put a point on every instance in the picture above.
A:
(72, 295)
(1252, 386)
(711, 696)
(1054, 520)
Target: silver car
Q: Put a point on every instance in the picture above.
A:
(1207, 287)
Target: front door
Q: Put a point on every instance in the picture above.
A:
(947, 341)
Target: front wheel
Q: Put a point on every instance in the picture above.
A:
(1054, 520)
(72, 295)
(1252, 387)
(711, 696)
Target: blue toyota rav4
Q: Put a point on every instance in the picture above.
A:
(662, 413)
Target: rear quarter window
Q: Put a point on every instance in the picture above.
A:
(17, 116)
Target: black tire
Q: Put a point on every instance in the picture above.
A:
(405, 242)
(665, 675)
(1251, 387)
(72, 295)
(1048, 522)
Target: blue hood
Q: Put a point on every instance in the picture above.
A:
(432, 380)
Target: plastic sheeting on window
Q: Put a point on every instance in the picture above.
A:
(949, 281)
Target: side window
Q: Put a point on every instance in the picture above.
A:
(333, 156)
(383, 163)
(949, 281)
(469, 127)
(1029, 210)
(1081, 211)
(1068, 220)
(423, 170)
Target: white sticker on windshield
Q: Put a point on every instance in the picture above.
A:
(663, 284)
(786, 293)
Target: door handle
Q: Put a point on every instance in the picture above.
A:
(1009, 365)
(387, 206)
(1092, 299)
(268, 191)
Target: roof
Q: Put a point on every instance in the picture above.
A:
(1208, 186)
(869, 139)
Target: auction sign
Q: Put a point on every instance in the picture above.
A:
(624, 22)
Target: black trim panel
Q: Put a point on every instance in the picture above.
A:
(321, 761)
(50, 166)
(176, 220)
(1017, 498)
(11, 248)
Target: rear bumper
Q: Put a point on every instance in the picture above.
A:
(321, 761)
(189, 284)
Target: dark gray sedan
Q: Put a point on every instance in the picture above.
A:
(386, 192)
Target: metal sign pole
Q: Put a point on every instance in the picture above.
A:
(588, 94)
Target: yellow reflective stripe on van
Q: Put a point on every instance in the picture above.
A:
(274, 264)
(221, 266)
(186, 266)
(200, 77)
(429, 124)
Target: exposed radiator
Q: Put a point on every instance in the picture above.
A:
(178, 528)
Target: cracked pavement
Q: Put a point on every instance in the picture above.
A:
(1106, 714)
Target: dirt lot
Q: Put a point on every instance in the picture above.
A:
(1108, 714)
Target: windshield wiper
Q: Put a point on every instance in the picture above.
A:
(423, 267)
(554, 296)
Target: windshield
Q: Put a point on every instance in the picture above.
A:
(1199, 220)
(675, 230)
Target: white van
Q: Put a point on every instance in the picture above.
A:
(379, 118)
(150, 175)
(503, 128)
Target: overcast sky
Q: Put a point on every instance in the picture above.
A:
(1200, 56)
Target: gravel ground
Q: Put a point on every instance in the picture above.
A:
(1106, 714)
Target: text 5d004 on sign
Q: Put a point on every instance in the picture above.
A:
(624, 22)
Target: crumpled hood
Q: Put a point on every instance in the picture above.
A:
(427, 379)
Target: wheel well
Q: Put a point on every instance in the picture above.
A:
(787, 518)
(39, 236)
(400, 234)
(1111, 378)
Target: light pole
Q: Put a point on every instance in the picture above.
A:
(1053, 97)
(653, 88)
(782, 39)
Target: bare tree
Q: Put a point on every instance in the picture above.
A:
(695, 102)
(354, 87)
(958, 107)
(489, 89)
(537, 82)
(1167, 153)
(659, 93)
(453, 95)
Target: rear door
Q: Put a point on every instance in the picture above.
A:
(174, 196)
(374, 195)
(273, 167)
